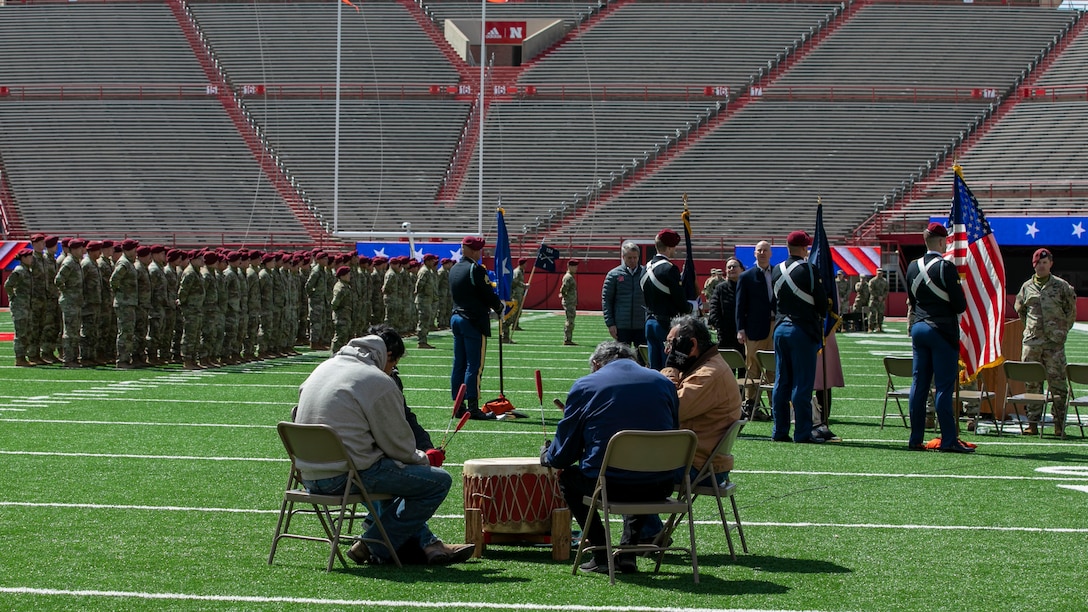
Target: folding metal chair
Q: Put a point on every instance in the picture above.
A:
(897, 367)
(1077, 373)
(719, 492)
(735, 361)
(766, 379)
(1027, 372)
(320, 447)
(646, 452)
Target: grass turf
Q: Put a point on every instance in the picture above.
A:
(158, 488)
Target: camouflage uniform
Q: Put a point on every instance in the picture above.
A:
(426, 287)
(279, 301)
(69, 283)
(158, 335)
(232, 280)
(171, 322)
(568, 294)
(842, 286)
(517, 294)
(220, 312)
(191, 312)
(878, 296)
(362, 316)
(90, 331)
(207, 318)
(389, 298)
(254, 305)
(20, 297)
(51, 316)
(123, 282)
(268, 312)
(444, 308)
(341, 306)
(1048, 309)
(107, 318)
(143, 310)
(377, 295)
(318, 301)
(861, 299)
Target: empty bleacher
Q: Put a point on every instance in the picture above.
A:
(392, 155)
(295, 43)
(1071, 67)
(931, 46)
(720, 44)
(160, 170)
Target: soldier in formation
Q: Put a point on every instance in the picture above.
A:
(842, 287)
(861, 299)
(878, 297)
(568, 295)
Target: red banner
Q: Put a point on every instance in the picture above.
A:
(504, 32)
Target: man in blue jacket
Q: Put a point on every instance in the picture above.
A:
(755, 316)
(618, 394)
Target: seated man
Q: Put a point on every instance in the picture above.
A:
(709, 395)
(618, 394)
(353, 393)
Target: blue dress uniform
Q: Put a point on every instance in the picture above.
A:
(936, 301)
(473, 301)
(801, 305)
(664, 298)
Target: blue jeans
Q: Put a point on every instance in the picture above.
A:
(656, 332)
(418, 491)
(468, 357)
(795, 374)
(936, 361)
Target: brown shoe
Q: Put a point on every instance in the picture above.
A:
(37, 361)
(445, 554)
(1031, 430)
(49, 358)
(424, 345)
(23, 363)
(123, 365)
(359, 553)
(1059, 431)
(569, 343)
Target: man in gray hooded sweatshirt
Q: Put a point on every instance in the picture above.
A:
(353, 393)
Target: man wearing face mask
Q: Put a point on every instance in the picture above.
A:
(621, 298)
(709, 395)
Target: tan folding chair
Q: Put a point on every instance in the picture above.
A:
(735, 361)
(644, 354)
(897, 367)
(1077, 373)
(1024, 372)
(766, 377)
(975, 397)
(320, 447)
(647, 452)
(707, 473)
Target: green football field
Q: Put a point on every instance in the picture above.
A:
(158, 489)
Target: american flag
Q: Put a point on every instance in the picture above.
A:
(972, 247)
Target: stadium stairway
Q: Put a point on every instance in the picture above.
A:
(718, 117)
(11, 222)
(902, 212)
(260, 150)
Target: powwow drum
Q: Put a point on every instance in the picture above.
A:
(514, 499)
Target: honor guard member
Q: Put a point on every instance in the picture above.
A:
(69, 282)
(107, 337)
(89, 329)
(1048, 306)
(426, 288)
(124, 285)
(158, 343)
(20, 296)
(663, 295)
(936, 300)
(801, 303)
(473, 300)
(568, 296)
(861, 300)
(445, 301)
(878, 296)
(341, 305)
(842, 287)
(51, 317)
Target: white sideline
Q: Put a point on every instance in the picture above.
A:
(364, 603)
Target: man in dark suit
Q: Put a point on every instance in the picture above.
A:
(755, 317)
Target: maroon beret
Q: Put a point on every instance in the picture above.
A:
(51, 241)
(211, 257)
(445, 260)
(117, 248)
(129, 244)
(430, 257)
(572, 262)
(64, 242)
(143, 251)
(234, 256)
(668, 237)
(157, 248)
(363, 259)
(267, 258)
(37, 237)
(342, 270)
(798, 238)
(94, 245)
(77, 243)
(1039, 254)
(107, 244)
(413, 263)
(380, 259)
(936, 229)
(25, 253)
(475, 243)
(173, 254)
(523, 261)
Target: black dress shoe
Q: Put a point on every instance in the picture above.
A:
(916, 447)
(594, 567)
(480, 415)
(781, 439)
(626, 564)
(811, 440)
(957, 448)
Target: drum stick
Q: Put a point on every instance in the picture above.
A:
(558, 404)
(456, 403)
(540, 396)
(464, 419)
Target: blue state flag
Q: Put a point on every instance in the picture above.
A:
(504, 271)
(820, 258)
